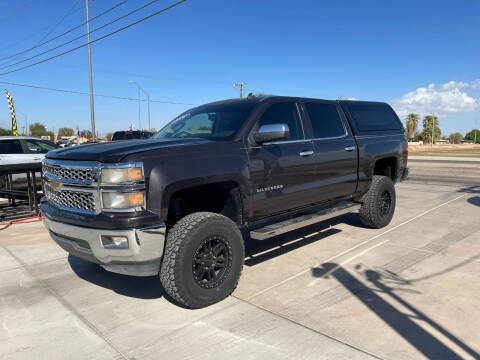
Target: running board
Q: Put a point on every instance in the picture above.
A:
(302, 221)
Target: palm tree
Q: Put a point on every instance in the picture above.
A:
(412, 124)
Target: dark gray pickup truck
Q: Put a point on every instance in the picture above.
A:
(181, 204)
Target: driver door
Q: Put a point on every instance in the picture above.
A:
(282, 172)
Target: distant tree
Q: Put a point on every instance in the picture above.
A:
(109, 136)
(470, 137)
(455, 138)
(37, 129)
(65, 131)
(5, 132)
(412, 125)
(428, 122)
(260, 94)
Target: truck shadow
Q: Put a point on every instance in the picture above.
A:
(258, 251)
(474, 200)
(136, 287)
(475, 189)
(255, 252)
(409, 325)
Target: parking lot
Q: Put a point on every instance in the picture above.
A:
(332, 290)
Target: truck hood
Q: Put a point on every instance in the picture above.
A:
(115, 151)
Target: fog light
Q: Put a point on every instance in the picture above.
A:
(114, 242)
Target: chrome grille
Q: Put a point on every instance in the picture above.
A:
(81, 175)
(75, 200)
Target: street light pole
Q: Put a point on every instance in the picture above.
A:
(148, 100)
(92, 106)
(26, 120)
(139, 111)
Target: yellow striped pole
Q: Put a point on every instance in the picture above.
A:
(12, 113)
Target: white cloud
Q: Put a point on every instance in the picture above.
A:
(441, 99)
(476, 84)
(451, 85)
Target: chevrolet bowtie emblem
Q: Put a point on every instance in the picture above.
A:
(55, 185)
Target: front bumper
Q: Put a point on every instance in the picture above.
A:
(405, 174)
(141, 258)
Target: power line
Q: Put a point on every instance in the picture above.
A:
(28, 37)
(69, 12)
(64, 33)
(150, 76)
(86, 93)
(98, 39)
(81, 36)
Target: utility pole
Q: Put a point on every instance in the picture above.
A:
(92, 106)
(240, 85)
(148, 101)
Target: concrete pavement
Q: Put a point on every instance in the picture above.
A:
(334, 290)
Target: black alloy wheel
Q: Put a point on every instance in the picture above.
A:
(385, 200)
(211, 262)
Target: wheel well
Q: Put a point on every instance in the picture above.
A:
(221, 198)
(386, 167)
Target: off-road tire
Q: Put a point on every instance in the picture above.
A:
(371, 213)
(183, 240)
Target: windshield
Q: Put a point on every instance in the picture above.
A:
(212, 122)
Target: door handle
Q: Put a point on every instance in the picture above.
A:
(350, 148)
(306, 153)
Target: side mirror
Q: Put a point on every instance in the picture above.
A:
(271, 132)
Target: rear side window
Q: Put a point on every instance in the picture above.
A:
(325, 120)
(124, 136)
(370, 116)
(10, 147)
(284, 113)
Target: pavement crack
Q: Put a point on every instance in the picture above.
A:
(309, 328)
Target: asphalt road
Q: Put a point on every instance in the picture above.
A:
(334, 290)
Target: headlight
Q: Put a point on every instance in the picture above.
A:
(122, 175)
(122, 200)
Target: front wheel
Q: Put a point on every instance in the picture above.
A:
(203, 259)
(378, 203)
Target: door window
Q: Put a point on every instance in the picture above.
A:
(38, 146)
(325, 120)
(10, 147)
(284, 113)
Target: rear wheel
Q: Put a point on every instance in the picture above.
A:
(378, 203)
(203, 259)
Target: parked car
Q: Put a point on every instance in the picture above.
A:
(181, 204)
(23, 149)
(131, 135)
(63, 142)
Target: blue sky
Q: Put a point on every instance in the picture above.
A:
(368, 50)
